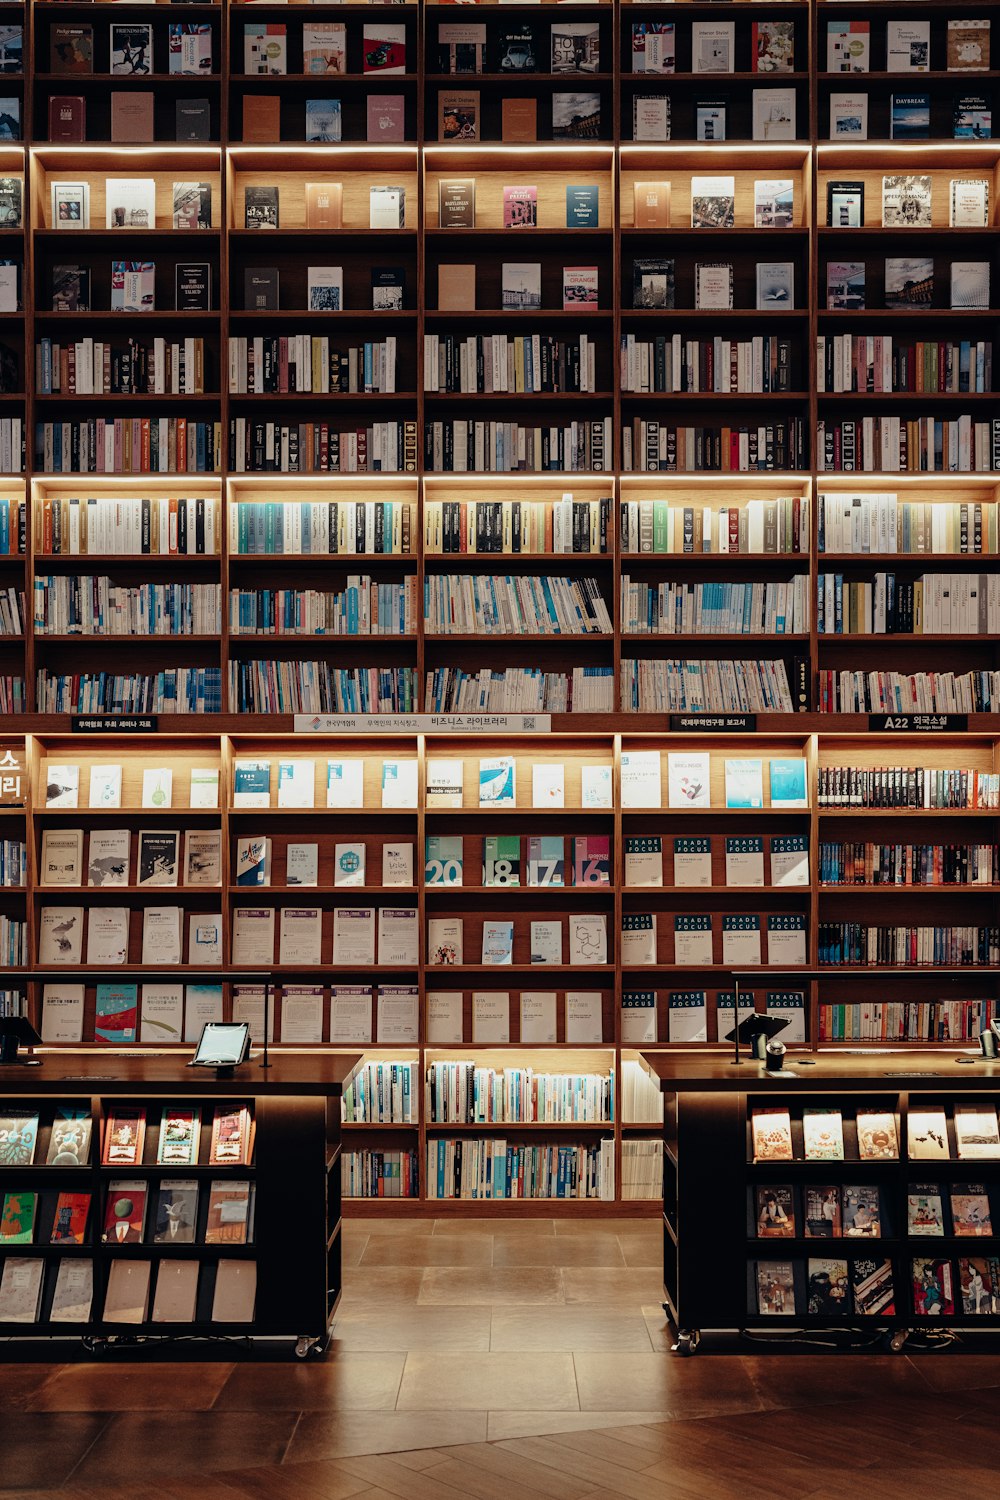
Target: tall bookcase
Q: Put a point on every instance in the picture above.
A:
(244, 524)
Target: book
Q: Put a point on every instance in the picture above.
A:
(444, 1017)
(260, 208)
(518, 119)
(789, 859)
(970, 284)
(62, 856)
(69, 1138)
(235, 1294)
(189, 48)
(203, 857)
(582, 205)
(693, 939)
(388, 288)
(927, 1135)
(386, 207)
(498, 942)
(772, 1135)
(176, 1296)
(130, 203)
(848, 46)
(970, 1210)
(588, 938)
(161, 935)
(654, 47)
(908, 46)
(520, 207)
(652, 283)
(968, 46)
(71, 49)
(457, 288)
(576, 116)
(924, 1213)
(74, 1292)
(296, 780)
(688, 780)
(596, 786)
(687, 1016)
(124, 1213)
(457, 203)
(21, 1289)
(872, 1287)
(772, 46)
(775, 1213)
(397, 936)
(131, 117)
(710, 116)
(906, 200)
(787, 779)
(444, 940)
(548, 785)
(713, 201)
(972, 118)
(651, 204)
(348, 865)
(159, 851)
(384, 48)
(775, 1288)
(546, 860)
(744, 783)
(69, 1221)
(116, 1013)
(461, 48)
(252, 784)
(162, 1013)
(933, 1287)
(127, 1297)
(576, 47)
(591, 859)
(490, 1017)
(61, 935)
(385, 118)
(458, 115)
(397, 864)
(845, 204)
(909, 280)
(845, 285)
(193, 286)
(521, 286)
(399, 783)
(823, 1134)
(228, 1213)
(651, 117)
(979, 1282)
(976, 1134)
(774, 114)
(829, 1289)
(745, 860)
(877, 1136)
(638, 1017)
(157, 787)
(265, 47)
(638, 938)
(17, 1218)
(546, 942)
(741, 938)
(179, 1134)
(848, 117)
(497, 784)
(517, 50)
(324, 47)
(262, 118)
(969, 203)
(62, 1013)
(62, 785)
(192, 120)
(910, 117)
(232, 1136)
(692, 861)
(131, 47)
(538, 1017)
(583, 1017)
(713, 46)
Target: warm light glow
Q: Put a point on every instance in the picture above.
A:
(115, 153)
(499, 149)
(347, 149)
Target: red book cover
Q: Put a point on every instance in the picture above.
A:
(520, 207)
(385, 117)
(67, 117)
(591, 860)
(69, 1226)
(124, 1134)
(125, 1213)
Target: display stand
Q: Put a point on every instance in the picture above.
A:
(295, 1165)
(710, 1241)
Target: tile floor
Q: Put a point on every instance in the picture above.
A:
(498, 1360)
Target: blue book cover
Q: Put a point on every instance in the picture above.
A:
(323, 120)
(788, 783)
(443, 860)
(910, 118)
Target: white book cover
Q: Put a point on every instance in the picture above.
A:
(745, 861)
(786, 939)
(204, 938)
(774, 114)
(398, 935)
(848, 117)
(790, 859)
(744, 783)
(248, 1006)
(107, 935)
(129, 203)
(638, 938)
(21, 1289)
(157, 787)
(345, 783)
(588, 939)
(596, 786)
(927, 1135)
(300, 934)
(444, 1018)
(908, 46)
(349, 864)
(399, 783)
(204, 790)
(397, 864)
(296, 783)
(398, 1010)
(741, 939)
(74, 1294)
(693, 940)
(253, 935)
(641, 784)
(538, 1016)
(161, 1013)
(302, 1013)
(105, 786)
(546, 942)
(584, 1017)
(161, 935)
(788, 1006)
(62, 785)
(445, 782)
(302, 864)
(252, 783)
(498, 943)
(62, 856)
(638, 1017)
(976, 1135)
(445, 941)
(644, 861)
(713, 46)
(350, 1014)
(548, 786)
(693, 861)
(354, 935)
(968, 203)
(687, 1016)
(386, 207)
(62, 935)
(202, 1004)
(490, 1016)
(203, 857)
(689, 780)
(62, 1012)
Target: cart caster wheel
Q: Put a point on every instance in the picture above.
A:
(303, 1346)
(96, 1348)
(899, 1339)
(687, 1343)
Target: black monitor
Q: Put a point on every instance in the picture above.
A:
(223, 1044)
(15, 1032)
(756, 1031)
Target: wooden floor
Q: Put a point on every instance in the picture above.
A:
(520, 1359)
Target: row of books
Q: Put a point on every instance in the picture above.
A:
(466, 446)
(286, 364)
(761, 364)
(907, 283)
(379, 1174)
(907, 786)
(91, 367)
(13, 696)
(717, 686)
(133, 118)
(554, 526)
(519, 690)
(179, 1285)
(688, 1012)
(668, 447)
(906, 1021)
(692, 861)
(318, 447)
(909, 864)
(130, 48)
(60, 785)
(12, 445)
(13, 862)
(363, 607)
(13, 942)
(172, 690)
(111, 933)
(776, 1137)
(546, 865)
(84, 604)
(715, 608)
(11, 612)
(320, 527)
(771, 526)
(882, 522)
(933, 604)
(901, 692)
(108, 863)
(877, 363)
(124, 1138)
(892, 445)
(497, 1169)
(462, 1092)
(535, 604)
(128, 445)
(866, 944)
(861, 1287)
(381, 1093)
(642, 1171)
(129, 203)
(75, 526)
(227, 1219)
(272, 686)
(539, 363)
(690, 939)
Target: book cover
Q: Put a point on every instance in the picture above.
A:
(69, 1139)
(652, 283)
(265, 47)
(693, 939)
(687, 1016)
(116, 1014)
(689, 780)
(546, 854)
(927, 1135)
(772, 46)
(774, 203)
(909, 281)
(521, 286)
(180, 1132)
(968, 46)
(458, 115)
(933, 1287)
(775, 1289)
(498, 942)
(848, 46)
(976, 1134)
(576, 116)
(654, 47)
(71, 48)
(385, 118)
(872, 1288)
(910, 117)
(848, 117)
(906, 200)
(651, 204)
(592, 859)
(638, 1017)
(829, 1288)
(124, 1213)
(232, 1130)
(490, 1017)
(588, 938)
(228, 1213)
(745, 860)
(775, 1216)
(823, 1134)
(17, 1219)
(924, 1211)
(638, 938)
(576, 47)
(519, 119)
(692, 861)
(772, 1135)
(324, 47)
(69, 1222)
(502, 859)
(744, 783)
(159, 851)
(520, 207)
(384, 48)
(713, 202)
(547, 942)
(538, 1017)
(74, 1292)
(979, 1282)
(970, 1210)
(260, 208)
(582, 206)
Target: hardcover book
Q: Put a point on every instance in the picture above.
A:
(775, 1213)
